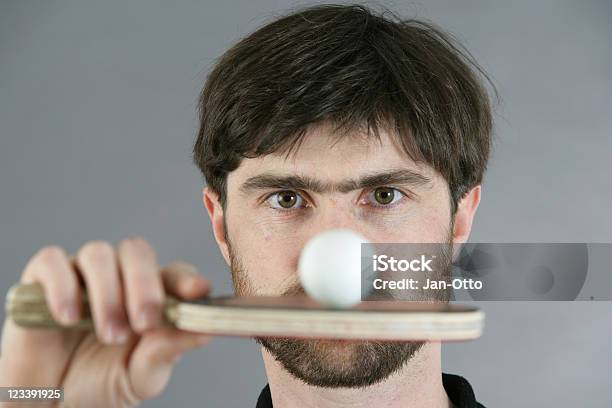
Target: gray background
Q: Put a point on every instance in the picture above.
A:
(97, 120)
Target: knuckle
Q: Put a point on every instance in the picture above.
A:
(95, 251)
(136, 243)
(51, 254)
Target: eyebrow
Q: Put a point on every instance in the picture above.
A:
(401, 177)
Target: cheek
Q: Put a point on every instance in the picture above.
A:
(268, 251)
(420, 228)
(428, 223)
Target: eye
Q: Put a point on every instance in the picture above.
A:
(384, 196)
(285, 200)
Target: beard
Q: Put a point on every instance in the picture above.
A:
(332, 363)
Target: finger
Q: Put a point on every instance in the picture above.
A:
(142, 284)
(182, 279)
(155, 356)
(51, 268)
(97, 264)
(48, 351)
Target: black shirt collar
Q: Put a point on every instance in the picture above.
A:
(457, 388)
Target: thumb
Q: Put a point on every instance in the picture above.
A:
(155, 356)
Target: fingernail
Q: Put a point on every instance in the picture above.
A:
(109, 334)
(69, 314)
(121, 335)
(148, 318)
(115, 334)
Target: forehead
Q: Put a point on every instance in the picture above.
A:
(324, 155)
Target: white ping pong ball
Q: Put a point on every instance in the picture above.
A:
(330, 267)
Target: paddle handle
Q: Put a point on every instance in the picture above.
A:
(26, 305)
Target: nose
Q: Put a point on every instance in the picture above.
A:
(335, 213)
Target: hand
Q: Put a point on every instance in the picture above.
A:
(130, 355)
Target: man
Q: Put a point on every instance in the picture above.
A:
(331, 117)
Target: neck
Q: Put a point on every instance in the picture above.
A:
(418, 384)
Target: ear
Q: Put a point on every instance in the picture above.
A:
(466, 209)
(215, 212)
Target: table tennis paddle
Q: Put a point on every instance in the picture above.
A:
(286, 316)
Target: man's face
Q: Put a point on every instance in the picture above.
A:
(275, 204)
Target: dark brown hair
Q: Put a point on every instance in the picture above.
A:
(354, 68)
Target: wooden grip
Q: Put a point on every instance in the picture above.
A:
(26, 305)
